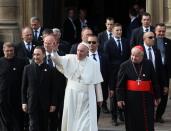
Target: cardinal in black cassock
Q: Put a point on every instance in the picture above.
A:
(138, 91)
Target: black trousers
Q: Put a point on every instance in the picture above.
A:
(162, 106)
(98, 112)
(38, 120)
(115, 111)
(53, 121)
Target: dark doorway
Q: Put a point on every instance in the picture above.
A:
(97, 11)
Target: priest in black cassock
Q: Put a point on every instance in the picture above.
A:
(138, 91)
(11, 68)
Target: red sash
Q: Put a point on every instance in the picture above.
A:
(134, 85)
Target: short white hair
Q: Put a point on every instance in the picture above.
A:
(57, 30)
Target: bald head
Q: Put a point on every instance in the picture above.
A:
(148, 38)
(82, 51)
(49, 42)
(27, 34)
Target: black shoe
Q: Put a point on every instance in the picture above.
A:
(121, 118)
(105, 109)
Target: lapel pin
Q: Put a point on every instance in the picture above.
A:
(14, 69)
(45, 69)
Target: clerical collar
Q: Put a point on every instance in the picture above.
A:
(9, 59)
(39, 65)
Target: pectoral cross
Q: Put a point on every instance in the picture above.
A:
(138, 81)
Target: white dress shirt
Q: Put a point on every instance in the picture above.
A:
(152, 53)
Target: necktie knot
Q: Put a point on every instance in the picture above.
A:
(119, 45)
(49, 56)
(29, 46)
(94, 57)
(35, 34)
(149, 53)
(146, 30)
(50, 63)
(149, 49)
(110, 35)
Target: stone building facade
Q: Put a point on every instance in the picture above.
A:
(14, 14)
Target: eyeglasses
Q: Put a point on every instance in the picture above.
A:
(92, 42)
(151, 37)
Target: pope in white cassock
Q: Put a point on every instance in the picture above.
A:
(83, 90)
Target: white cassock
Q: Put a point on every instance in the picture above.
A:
(82, 92)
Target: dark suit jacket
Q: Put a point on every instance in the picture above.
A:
(137, 36)
(167, 64)
(102, 38)
(21, 50)
(79, 28)
(64, 46)
(158, 67)
(10, 80)
(104, 68)
(60, 81)
(69, 32)
(39, 41)
(115, 59)
(38, 87)
(132, 25)
(73, 49)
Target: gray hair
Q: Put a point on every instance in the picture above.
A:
(34, 18)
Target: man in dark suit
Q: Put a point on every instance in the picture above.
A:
(37, 30)
(164, 45)
(39, 95)
(11, 69)
(84, 37)
(134, 22)
(103, 63)
(117, 50)
(55, 118)
(137, 34)
(69, 27)
(63, 46)
(25, 48)
(107, 34)
(153, 54)
(81, 22)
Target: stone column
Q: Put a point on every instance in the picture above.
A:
(167, 16)
(155, 8)
(27, 9)
(8, 21)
